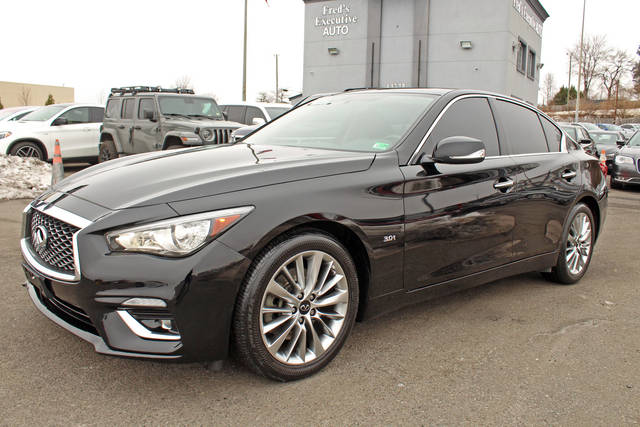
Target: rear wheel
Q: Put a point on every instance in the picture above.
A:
(296, 307)
(107, 151)
(27, 149)
(578, 239)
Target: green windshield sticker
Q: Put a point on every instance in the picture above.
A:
(381, 146)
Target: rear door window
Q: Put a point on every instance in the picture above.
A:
(96, 114)
(235, 113)
(469, 117)
(522, 128)
(253, 113)
(76, 116)
(127, 109)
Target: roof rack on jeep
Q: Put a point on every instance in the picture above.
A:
(132, 90)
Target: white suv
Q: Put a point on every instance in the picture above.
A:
(75, 125)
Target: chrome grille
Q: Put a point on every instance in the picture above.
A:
(222, 135)
(57, 252)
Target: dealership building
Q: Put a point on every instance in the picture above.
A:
(479, 44)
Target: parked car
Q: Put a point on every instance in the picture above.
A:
(142, 118)
(626, 165)
(626, 134)
(13, 114)
(349, 206)
(254, 113)
(630, 129)
(34, 135)
(609, 142)
(578, 134)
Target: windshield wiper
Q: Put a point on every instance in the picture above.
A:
(175, 114)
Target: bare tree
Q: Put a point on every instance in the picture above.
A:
(25, 95)
(594, 53)
(184, 82)
(548, 85)
(265, 97)
(615, 67)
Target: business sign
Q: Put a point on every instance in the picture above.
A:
(528, 15)
(335, 20)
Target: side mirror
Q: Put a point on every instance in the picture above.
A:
(258, 121)
(60, 121)
(459, 150)
(149, 115)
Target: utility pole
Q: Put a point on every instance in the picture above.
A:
(569, 87)
(244, 58)
(277, 77)
(584, 5)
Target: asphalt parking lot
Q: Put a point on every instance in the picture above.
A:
(517, 351)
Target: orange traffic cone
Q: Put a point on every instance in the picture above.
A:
(603, 162)
(57, 170)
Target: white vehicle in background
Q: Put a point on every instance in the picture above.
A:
(12, 114)
(253, 113)
(76, 126)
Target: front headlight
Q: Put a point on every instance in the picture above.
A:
(207, 134)
(178, 236)
(5, 134)
(620, 160)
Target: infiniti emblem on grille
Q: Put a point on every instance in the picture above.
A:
(40, 238)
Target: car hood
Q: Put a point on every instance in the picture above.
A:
(171, 176)
(201, 123)
(19, 126)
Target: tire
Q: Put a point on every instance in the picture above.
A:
(577, 247)
(27, 149)
(107, 151)
(283, 332)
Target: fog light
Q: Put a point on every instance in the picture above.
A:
(145, 302)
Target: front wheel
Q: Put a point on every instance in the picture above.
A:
(107, 151)
(27, 149)
(578, 239)
(296, 307)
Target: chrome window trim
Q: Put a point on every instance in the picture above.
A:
(563, 144)
(64, 216)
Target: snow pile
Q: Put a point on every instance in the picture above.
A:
(23, 177)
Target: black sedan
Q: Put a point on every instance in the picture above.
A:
(609, 142)
(626, 165)
(345, 208)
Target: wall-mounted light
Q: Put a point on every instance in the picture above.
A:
(539, 65)
(333, 51)
(466, 44)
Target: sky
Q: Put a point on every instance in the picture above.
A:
(93, 46)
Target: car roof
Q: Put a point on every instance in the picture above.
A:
(258, 104)
(21, 108)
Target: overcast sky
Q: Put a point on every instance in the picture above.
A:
(93, 46)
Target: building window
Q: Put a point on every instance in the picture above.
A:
(521, 64)
(531, 64)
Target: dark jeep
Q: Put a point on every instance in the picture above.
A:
(140, 119)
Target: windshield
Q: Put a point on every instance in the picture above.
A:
(352, 121)
(44, 113)
(605, 138)
(189, 106)
(276, 111)
(8, 112)
(634, 141)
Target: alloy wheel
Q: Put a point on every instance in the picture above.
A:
(27, 151)
(303, 307)
(578, 244)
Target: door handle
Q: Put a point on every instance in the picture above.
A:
(568, 174)
(503, 184)
(137, 128)
(121, 127)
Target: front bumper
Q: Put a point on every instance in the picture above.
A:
(198, 292)
(627, 173)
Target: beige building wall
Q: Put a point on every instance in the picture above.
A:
(16, 94)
